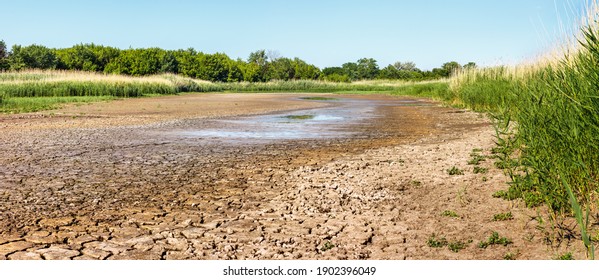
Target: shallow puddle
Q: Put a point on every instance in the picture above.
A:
(333, 121)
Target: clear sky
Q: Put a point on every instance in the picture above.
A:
(324, 33)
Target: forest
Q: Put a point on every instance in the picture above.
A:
(260, 66)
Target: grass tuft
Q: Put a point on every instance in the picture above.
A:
(449, 213)
(455, 171)
(476, 159)
(327, 246)
(494, 239)
(480, 170)
(319, 98)
(565, 257)
(456, 246)
(503, 217)
(509, 256)
(436, 242)
(299, 117)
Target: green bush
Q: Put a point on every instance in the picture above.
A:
(337, 78)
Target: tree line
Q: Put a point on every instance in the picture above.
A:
(260, 66)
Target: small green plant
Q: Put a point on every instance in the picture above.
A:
(503, 216)
(500, 194)
(494, 239)
(582, 220)
(565, 257)
(480, 170)
(531, 198)
(509, 256)
(456, 246)
(299, 117)
(327, 246)
(436, 242)
(455, 171)
(476, 159)
(449, 213)
(319, 98)
(32, 104)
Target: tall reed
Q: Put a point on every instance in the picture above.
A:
(36, 83)
(549, 112)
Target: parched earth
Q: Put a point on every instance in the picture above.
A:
(112, 181)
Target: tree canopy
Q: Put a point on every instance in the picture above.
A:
(260, 66)
(3, 56)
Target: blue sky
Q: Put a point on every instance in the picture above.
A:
(324, 33)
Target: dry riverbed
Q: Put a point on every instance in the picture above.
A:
(141, 179)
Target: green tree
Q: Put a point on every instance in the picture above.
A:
(350, 69)
(470, 65)
(333, 70)
(3, 56)
(335, 74)
(411, 75)
(405, 66)
(281, 69)
(305, 71)
(86, 57)
(78, 57)
(401, 72)
(188, 64)
(438, 73)
(103, 55)
(408, 70)
(334, 77)
(451, 67)
(367, 69)
(214, 67)
(235, 71)
(136, 62)
(260, 59)
(251, 72)
(390, 72)
(121, 64)
(32, 57)
(169, 63)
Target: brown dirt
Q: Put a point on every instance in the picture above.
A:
(97, 182)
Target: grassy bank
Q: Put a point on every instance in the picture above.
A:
(33, 90)
(548, 125)
(33, 104)
(548, 115)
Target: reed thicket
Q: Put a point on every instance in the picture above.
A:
(34, 90)
(547, 117)
(51, 83)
